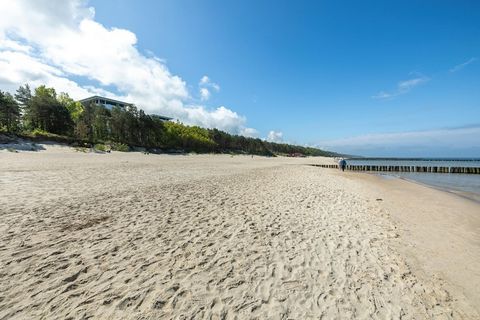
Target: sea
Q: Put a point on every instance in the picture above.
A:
(467, 185)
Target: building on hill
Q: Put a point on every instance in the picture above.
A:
(110, 103)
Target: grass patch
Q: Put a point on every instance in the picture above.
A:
(101, 147)
(120, 147)
(41, 135)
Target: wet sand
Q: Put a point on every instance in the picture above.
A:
(127, 235)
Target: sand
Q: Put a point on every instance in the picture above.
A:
(134, 236)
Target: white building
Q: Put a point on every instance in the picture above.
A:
(110, 103)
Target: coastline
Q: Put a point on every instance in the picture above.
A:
(441, 230)
(475, 197)
(471, 196)
(125, 235)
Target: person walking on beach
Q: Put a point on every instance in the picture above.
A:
(342, 164)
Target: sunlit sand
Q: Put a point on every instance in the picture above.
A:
(128, 235)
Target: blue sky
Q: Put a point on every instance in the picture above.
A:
(383, 78)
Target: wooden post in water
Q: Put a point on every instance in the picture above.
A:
(387, 168)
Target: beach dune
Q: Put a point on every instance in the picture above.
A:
(127, 235)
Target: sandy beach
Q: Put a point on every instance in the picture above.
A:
(134, 236)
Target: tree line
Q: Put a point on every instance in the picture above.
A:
(45, 111)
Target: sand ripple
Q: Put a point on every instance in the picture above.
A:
(264, 241)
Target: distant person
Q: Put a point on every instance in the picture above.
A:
(342, 164)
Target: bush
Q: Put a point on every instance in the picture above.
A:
(120, 147)
(100, 147)
(41, 133)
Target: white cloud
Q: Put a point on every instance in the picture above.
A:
(462, 141)
(205, 85)
(206, 82)
(275, 136)
(58, 43)
(204, 94)
(460, 66)
(407, 85)
(18, 67)
(6, 44)
(221, 118)
(249, 132)
(383, 95)
(402, 87)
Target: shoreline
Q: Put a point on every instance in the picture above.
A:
(471, 196)
(441, 229)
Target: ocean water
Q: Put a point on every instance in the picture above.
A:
(417, 162)
(465, 184)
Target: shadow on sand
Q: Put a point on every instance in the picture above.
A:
(21, 146)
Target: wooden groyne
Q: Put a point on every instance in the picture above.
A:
(330, 166)
(433, 169)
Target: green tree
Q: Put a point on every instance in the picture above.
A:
(84, 125)
(126, 125)
(9, 112)
(23, 95)
(75, 108)
(101, 123)
(45, 112)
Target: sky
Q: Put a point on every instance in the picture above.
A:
(372, 78)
